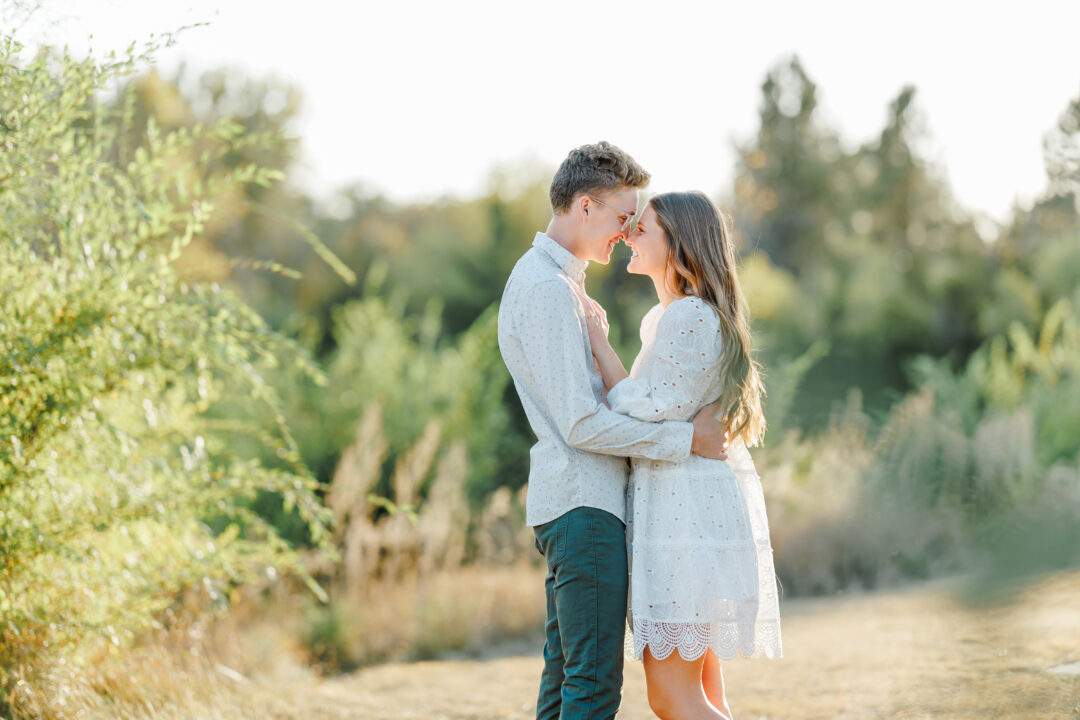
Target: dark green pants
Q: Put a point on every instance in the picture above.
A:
(586, 589)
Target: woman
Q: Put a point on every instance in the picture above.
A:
(702, 587)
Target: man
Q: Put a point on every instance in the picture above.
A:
(578, 471)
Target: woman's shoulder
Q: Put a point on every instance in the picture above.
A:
(693, 311)
(648, 323)
(653, 314)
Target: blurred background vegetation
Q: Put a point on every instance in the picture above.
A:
(315, 386)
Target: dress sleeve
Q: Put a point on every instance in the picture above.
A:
(684, 355)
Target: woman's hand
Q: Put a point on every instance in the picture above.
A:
(596, 319)
(611, 367)
(596, 323)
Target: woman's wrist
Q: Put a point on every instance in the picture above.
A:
(611, 367)
(606, 351)
(616, 376)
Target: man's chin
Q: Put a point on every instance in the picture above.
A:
(605, 258)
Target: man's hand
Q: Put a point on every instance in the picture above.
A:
(710, 435)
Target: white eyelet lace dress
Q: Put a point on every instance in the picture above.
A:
(701, 566)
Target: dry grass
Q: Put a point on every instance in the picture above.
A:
(915, 653)
(919, 654)
(201, 666)
(462, 610)
(424, 576)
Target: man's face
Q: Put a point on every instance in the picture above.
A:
(607, 218)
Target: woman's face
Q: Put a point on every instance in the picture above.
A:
(649, 245)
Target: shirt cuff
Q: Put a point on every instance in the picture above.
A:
(684, 438)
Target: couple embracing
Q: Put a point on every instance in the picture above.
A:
(679, 534)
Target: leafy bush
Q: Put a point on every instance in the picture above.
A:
(120, 479)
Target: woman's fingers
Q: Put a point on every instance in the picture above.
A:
(601, 315)
(595, 316)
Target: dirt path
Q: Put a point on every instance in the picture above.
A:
(916, 653)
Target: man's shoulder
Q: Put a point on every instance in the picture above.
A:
(533, 274)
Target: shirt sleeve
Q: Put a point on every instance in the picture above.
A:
(681, 368)
(555, 342)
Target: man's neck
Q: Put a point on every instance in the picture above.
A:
(560, 233)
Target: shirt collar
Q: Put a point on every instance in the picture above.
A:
(565, 259)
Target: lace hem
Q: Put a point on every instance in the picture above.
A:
(728, 640)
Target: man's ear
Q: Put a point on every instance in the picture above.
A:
(582, 207)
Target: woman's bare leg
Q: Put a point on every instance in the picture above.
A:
(675, 690)
(712, 681)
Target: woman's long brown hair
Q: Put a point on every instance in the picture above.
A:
(701, 262)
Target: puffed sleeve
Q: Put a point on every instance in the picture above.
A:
(681, 369)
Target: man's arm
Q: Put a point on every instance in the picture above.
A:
(551, 333)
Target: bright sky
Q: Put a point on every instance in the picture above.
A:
(419, 99)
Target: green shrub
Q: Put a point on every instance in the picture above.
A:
(978, 470)
(416, 373)
(120, 483)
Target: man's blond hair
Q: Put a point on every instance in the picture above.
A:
(594, 169)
